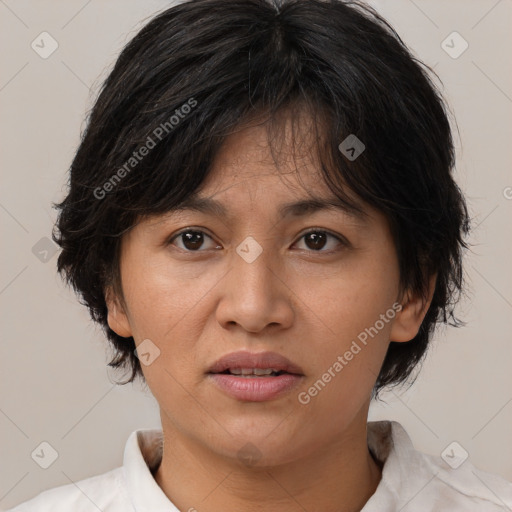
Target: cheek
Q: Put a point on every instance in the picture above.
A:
(352, 298)
(163, 297)
(169, 307)
(347, 363)
(354, 312)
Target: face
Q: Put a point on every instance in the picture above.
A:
(317, 287)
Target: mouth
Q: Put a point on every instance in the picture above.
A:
(254, 364)
(255, 377)
(252, 372)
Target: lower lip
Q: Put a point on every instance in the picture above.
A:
(255, 389)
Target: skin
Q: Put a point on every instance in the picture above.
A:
(306, 304)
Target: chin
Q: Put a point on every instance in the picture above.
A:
(257, 448)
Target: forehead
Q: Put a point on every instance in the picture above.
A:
(288, 180)
(252, 153)
(248, 181)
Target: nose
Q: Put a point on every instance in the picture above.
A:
(255, 295)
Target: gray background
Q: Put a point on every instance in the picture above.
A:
(54, 383)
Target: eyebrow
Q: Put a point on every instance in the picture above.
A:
(297, 208)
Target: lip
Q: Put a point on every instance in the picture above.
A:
(246, 359)
(255, 389)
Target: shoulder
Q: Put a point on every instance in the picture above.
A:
(115, 490)
(466, 487)
(412, 480)
(106, 492)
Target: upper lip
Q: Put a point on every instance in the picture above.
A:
(245, 359)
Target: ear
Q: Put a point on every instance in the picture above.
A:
(407, 321)
(117, 317)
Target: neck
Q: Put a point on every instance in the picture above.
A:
(339, 478)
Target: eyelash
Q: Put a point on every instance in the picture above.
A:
(341, 240)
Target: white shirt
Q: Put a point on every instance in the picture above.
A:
(411, 481)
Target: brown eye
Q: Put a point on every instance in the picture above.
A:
(191, 240)
(317, 240)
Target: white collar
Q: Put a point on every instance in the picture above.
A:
(142, 454)
(404, 467)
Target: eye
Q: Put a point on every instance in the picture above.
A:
(193, 239)
(316, 240)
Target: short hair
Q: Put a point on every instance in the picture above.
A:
(199, 70)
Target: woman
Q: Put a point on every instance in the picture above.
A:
(262, 217)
